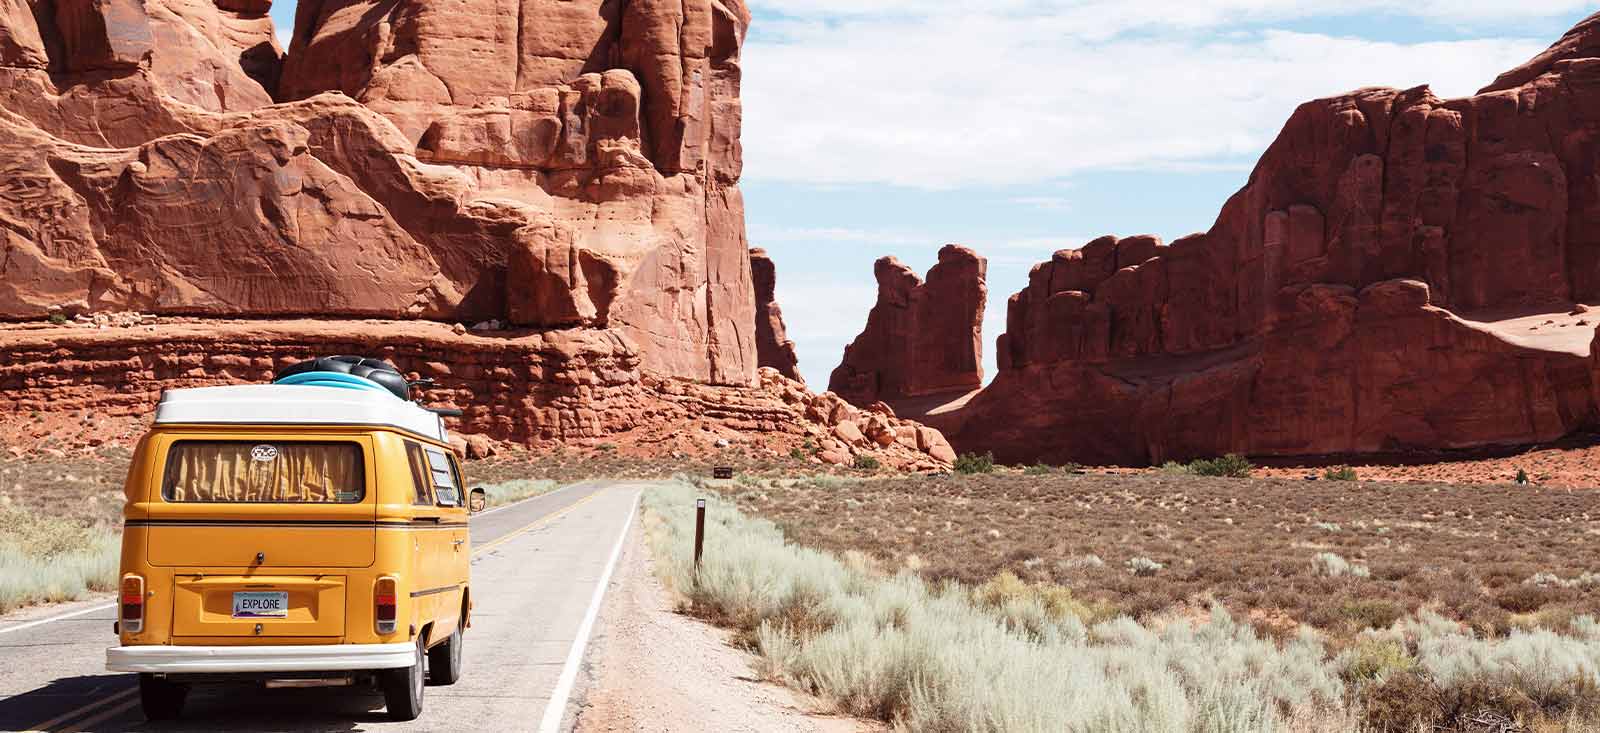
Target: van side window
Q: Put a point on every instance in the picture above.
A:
(443, 472)
(420, 475)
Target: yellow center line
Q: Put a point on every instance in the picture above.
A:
(45, 727)
(541, 521)
(86, 722)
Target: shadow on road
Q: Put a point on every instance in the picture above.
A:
(29, 709)
(73, 701)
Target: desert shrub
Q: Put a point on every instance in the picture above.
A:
(1371, 613)
(1144, 567)
(1375, 658)
(971, 463)
(1039, 469)
(1004, 657)
(1525, 598)
(1522, 477)
(798, 454)
(1035, 608)
(46, 559)
(1339, 473)
(1175, 468)
(1330, 565)
(865, 462)
(58, 318)
(1400, 703)
(1232, 465)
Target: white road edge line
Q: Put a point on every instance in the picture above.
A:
(53, 619)
(557, 708)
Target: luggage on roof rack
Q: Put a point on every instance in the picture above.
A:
(336, 371)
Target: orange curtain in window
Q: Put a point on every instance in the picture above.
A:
(264, 472)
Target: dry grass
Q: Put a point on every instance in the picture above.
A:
(1013, 655)
(1339, 556)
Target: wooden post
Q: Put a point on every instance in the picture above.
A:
(699, 532)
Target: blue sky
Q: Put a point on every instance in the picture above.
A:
(1019, 127)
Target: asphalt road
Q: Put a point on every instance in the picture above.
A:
(536, 569)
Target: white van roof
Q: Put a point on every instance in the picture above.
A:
(276, 404)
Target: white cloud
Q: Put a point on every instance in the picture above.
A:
(945, 95)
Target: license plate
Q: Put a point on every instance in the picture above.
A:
(260, 604)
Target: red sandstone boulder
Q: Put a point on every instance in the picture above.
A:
(773, 347)
(921, 338)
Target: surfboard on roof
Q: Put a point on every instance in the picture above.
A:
(326, 391)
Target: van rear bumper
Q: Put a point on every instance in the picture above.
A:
(242, 659)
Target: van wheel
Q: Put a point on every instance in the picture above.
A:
(444, 660)
(161, 698)
(402, 688)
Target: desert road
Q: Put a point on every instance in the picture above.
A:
(538, 573)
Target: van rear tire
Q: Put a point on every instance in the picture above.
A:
(444, 660)
(161, 698)
(402, 688)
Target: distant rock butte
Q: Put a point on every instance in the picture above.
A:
(1369, 290)
(773, 347)
(922, 338)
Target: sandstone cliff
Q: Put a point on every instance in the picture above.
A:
(552, 164)
(565, 171)
(1396, 275)
(921, 338)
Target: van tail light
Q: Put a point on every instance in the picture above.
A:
(132, 604)
(384, 605)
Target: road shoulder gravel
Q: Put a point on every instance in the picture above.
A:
(652, 669)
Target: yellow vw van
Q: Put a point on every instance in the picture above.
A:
(308, 532)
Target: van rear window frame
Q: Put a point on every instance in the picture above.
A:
(172, 454)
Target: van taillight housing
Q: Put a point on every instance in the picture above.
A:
(385, 608)
(132, 603)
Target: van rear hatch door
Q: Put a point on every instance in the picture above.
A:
(263, 503)
(234, 605)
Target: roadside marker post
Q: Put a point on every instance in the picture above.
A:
(699, 533)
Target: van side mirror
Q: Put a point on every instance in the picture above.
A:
(477, 501)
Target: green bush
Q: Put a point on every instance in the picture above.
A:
(1175, 468)
(867, 463)
(58, 318)
(1375, 658)
(1339, 473)
(798, 454)
(974, 463)
(1232, 465)
(1039, 469)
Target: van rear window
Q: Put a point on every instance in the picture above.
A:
(240, 472)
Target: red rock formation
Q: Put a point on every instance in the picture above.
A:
(1356, 296)
(921, 338)
(572, 385)
(773, 347)
(555, 164)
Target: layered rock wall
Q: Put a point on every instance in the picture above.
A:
(921, 338)
(549, 163)
(1393, 277)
